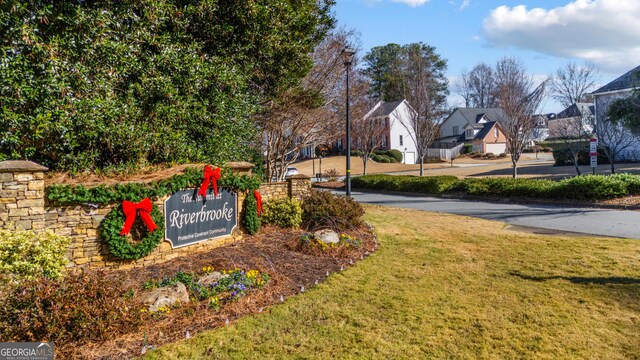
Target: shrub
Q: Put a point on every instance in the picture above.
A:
(286, 213)
(88, 307)
(323, 209)
(251, 220)
(592, 187)
(395, 154)
(424, 185)
(331, 175)
(25, 254)
(467, 149)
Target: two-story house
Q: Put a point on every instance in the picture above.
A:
(396, 131)
(621, 87)
(476, 126)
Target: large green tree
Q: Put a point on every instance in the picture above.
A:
(415, 72)
(87, 84)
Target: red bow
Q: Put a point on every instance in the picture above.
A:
(209, 176)
(130, 209)
(259, 201)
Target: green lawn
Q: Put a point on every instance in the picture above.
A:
(445, 286)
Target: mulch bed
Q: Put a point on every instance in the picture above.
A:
(272, 250)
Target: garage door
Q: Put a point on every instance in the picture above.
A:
(496, 148)
(409, 158)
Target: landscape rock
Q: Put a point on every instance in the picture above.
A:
(327, 236)
(211, 278)
(166, 296)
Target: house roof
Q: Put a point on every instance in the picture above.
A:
(385, 108)
(626, 81)
(484, 131)
(577, 110)
(473, 115)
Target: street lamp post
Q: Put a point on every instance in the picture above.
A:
(347, 54)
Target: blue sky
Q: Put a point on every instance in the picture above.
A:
(544, 34)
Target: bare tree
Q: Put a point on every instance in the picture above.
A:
(519, 98)
(307, 114)
(573, 132)
(463, 88)
(477, 86)
(426, 91)
(367, 137)
(613, 136)
(572, 83)
(482, 81)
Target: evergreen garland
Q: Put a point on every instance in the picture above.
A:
(106, 194)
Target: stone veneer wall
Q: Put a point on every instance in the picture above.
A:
(297, 186)
(23, 203)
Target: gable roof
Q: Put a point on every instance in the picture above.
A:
(384, 108)
(577, 110)
(626, 81)
(473, 115)
(484, 131)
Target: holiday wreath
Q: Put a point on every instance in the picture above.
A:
(117, 224)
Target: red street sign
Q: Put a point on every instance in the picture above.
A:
(593, 154)
(594, 140)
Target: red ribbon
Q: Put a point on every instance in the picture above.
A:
(130, 209)
(259, 201)
(210, 176)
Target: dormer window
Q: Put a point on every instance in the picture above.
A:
(469, 134)
(495, 132)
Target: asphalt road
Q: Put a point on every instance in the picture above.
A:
(615, 223)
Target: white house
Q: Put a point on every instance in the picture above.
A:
(574, 121)
(619, 88)
(396, 118)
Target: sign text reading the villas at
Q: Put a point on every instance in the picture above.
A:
(189, 218)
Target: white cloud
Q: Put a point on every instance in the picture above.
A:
(465, 4)
(604, 32)
(412, 3)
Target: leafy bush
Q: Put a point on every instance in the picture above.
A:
(25, 254)
(396, 154)
(561, 156)
(323, 209)
(467, 149)
(286, 213)
(153, 91)
(424, 185)
(588, 187)
(251, 220)
(88, 307)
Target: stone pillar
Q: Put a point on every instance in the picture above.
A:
(299, 186)
(22, 194)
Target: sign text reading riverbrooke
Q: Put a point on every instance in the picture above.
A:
(190, 219)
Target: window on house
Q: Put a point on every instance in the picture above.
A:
(384, 141)
(469, 133)
(456, 130)
(401, 142)
(495, 132)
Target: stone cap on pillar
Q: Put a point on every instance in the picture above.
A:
(21, 166)
(240, 166)
(299, 177)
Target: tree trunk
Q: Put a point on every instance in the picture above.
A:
(422, 166)
(364, 165)
(515, 169)
(613, 169)
(575, 163)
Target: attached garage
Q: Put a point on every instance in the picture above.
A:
(409, 158)
(497, 148)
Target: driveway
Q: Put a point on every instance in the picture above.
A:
(614, 223)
